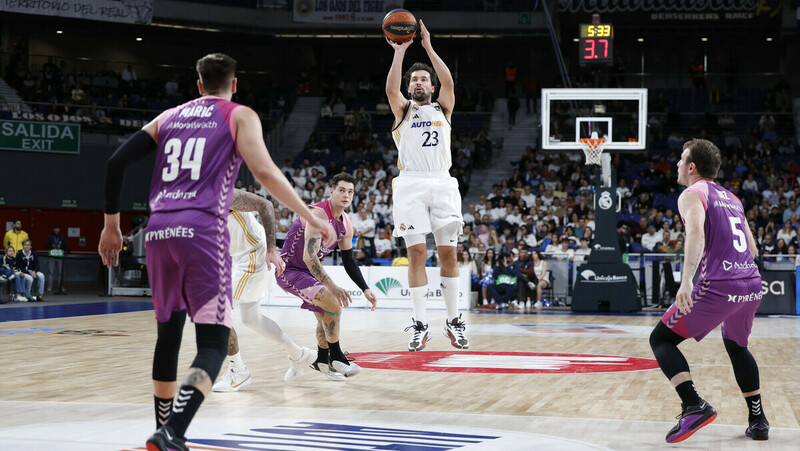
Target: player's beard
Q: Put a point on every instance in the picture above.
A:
(418, 97)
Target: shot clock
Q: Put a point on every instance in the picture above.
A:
(596, 44)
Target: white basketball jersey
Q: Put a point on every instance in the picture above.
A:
(248, 239)
(423, 139)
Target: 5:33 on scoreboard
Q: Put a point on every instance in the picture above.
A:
(596, 44)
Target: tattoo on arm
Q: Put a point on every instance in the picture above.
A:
(244, 201)
(312, 261)
(693, 269)
(267, 213)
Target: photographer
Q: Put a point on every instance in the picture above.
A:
(504, 288)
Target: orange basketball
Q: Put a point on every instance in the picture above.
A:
(399, 26)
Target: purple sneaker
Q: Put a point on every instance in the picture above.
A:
(691, 420)
(758, 429)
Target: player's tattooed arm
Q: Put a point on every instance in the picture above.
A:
(313, 263)
(244, 201)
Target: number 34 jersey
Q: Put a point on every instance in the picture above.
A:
(197, 161)
(423, 139)
(727, 250)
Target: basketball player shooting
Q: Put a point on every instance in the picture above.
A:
(426, 198)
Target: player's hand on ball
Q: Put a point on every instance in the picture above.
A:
(371, 298)
(399, 46)
(683, 299)
(341, 295)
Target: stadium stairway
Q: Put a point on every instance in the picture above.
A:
(511, 147)
(297, 128)
(11, 95)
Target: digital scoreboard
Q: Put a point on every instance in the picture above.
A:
(596, 44)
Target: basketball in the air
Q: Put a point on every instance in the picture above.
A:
(399, 26)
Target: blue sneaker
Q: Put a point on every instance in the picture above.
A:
(758, 429)
(691, 419)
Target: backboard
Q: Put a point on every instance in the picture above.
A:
(618, 115)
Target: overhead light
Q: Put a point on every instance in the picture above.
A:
(640, 39)
(704, 39)
(138, 39)
(769, 39)
(576, 40)
(59, 32)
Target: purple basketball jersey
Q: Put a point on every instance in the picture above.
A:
(197, 160)
(727, 251)
(292, 252)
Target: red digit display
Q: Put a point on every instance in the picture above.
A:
(596, 44)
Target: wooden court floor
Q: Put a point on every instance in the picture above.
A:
(83, 382)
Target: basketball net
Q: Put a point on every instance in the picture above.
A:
(592, 148)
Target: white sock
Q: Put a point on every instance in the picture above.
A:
(418, 299)
(236, 360)
(268, 328)
(450, 294)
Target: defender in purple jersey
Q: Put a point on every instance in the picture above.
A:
(720, 243)
(305, 277)
(200, 147)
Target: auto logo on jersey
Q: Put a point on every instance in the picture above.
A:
(501, 362)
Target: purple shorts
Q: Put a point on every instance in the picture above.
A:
(302, 284)
(189, 266)
(730, 302)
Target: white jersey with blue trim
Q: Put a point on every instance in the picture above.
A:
(423, 139)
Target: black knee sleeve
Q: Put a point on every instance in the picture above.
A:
(664, 343)
(212, 348)
(744, 365)
(165, 358)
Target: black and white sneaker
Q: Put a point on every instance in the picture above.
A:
(420, 336)
(329, 372)
(454, 330)
(164, 439)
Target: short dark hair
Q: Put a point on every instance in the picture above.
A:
(342, 177)
(705, 155)
(420, 66)
(216, 70)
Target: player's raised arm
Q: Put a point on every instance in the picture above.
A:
(313, 241)
(250, 143)
(447, 92)
(394, 80)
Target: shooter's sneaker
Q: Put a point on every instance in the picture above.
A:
(758, 429)
(349, 369)
(420, 337)
(164, 439)
(233, 380)
(298, 367)
(690, 420)
(325, 369)
(454, 330)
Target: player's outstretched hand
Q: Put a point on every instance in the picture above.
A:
(110, 245)
(274, 258)
(325, 229)
(683, 299)
(371, 298)
(341, 295)
(425, 35)
(399, 45)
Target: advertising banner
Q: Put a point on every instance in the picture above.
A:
(778, 293)
(354, 12)
(123, 11)
(389, 283)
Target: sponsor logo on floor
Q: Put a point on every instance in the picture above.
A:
(500, 362)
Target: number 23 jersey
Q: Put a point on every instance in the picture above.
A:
(197, 161)
(423, 139)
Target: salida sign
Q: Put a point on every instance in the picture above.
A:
(40, 136)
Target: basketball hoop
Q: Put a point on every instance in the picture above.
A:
(593, 149)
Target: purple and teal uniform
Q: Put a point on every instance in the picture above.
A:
(296, 278)
(190, 196)
(728, 289)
